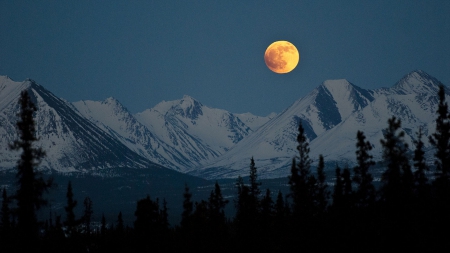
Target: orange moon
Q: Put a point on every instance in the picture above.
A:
(281, 57)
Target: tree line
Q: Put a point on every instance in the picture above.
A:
(409, 210)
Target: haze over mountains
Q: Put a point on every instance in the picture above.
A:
(187, 136)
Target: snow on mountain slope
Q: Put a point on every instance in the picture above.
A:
(274, 144)
(70, 141)
(113, 118)
(9, 91)
(212, 143)
(417, 82)
(253, 121)
(413, 100)
(198, 132)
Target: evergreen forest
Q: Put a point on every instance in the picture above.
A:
(409, 210)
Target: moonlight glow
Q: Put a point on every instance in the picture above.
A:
(281, 57)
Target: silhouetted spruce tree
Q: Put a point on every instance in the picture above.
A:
(253, 202)
(164, 214)
(441, 141)
(267, 207)
(201, 216)
(87, 215)
(103, 227)
(241, 203)
(322, 194)
(365, 191)
(280, 207)
(398, 178)
(245, 218)
(70, 223)
(216, 206)
(31, 185)
(348, 188)
(280, 212)
(265, 227)
(338, 189)
(120, 228)
(254, 184)
(421, 179)
(188, 208)
(422, 216)
(148, 218)
(216, 220)
(441, 138)
(300, 180)
(397, 188)
(58, 225)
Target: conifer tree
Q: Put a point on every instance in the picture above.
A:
(201, 214)
(164, 214)
(266, 218)
(147, 217)
(267, 206)
(243, 211)
(280, 210)
(300, 180)
(103, 227)
(348, 188)
(87, 214)
(338, 189)
(422, 189)
(254, 184)
(188, 207)
(441, 138)
(322, 194)
(253, 201)
(31, 185)
(120, 227)
(421, 180)
(70, 222)
(441, 141)
(397, 179)
(365, 191)
(216, 206)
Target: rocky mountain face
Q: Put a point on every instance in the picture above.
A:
(72, 142)
(199, 133)
(87, 135)
(187, 136)
(331, 115)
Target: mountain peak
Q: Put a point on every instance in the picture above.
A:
(115, 104)
(5, 78)
(336, 83)
(189, 107)
(111, 101)
(417, 81)
(189, 100)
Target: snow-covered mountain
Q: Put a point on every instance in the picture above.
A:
(198, 132)
(331, 115)
(180, 134)
(113, 118)
(72, 142)
(413, 100)
(187, 136)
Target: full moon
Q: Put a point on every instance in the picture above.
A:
(281, 57)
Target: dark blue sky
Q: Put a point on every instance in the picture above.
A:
(143, 52)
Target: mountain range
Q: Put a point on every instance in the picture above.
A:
(186, 136)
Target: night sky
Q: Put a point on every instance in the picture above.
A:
(143, 52)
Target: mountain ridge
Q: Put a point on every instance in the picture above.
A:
(368, 110)
(189, 137)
